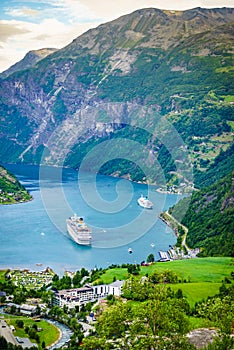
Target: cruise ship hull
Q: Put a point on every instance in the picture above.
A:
(81, 234)
(145, 203)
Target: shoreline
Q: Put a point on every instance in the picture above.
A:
(59, 338)
(113, 175)
(167, 222)
(12, 203)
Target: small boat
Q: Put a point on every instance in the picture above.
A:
(130, 250)
(144, 202)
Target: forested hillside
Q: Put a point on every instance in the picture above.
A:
(11, 191)
(210, 218)
(178, 64)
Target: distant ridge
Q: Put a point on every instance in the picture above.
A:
(29, 60)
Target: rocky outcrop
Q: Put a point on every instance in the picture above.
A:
(202, 337)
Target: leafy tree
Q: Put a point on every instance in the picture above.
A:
(135, 290)
(33, 334)
(77, 279)
(133, 269)
(219, 310)
(13, 309)
(55, 278)
(94, 343)
(150, 258)
(179, 294)
(19, 323)
(84, 272)
(113, 322)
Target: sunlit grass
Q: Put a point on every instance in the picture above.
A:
(49, 333)
(195, 292)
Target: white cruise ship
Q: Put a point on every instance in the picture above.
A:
(145, 202)
(78, 230)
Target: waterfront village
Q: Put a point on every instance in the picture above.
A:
(70, 298)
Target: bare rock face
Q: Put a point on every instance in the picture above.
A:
(201, 337)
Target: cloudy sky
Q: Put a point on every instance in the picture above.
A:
(29, 24)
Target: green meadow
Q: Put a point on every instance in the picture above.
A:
(213, 269)
(199, 278)
(48, 333)
(195, 292)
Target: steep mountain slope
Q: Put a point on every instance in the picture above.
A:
(29, 60)
(11, 191)
(210, 218)
(177, 64)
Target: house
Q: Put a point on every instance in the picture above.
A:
(29, 310)
(163, 256)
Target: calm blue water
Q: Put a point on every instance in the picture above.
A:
(35, 232)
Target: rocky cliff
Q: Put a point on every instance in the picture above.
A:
(177, 64)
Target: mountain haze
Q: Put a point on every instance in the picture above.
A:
(177, 63)
(29, 60)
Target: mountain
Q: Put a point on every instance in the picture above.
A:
(210, 218)
(160, 80)
(11, 191)
(29, 60)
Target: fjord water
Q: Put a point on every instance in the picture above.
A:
(33, 234)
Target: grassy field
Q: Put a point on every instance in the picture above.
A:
(196, 270)
(203, 276)
(193, 270)
(195, 292)
(49, 333)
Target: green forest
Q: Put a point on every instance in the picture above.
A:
(210, 218)
(11, 191)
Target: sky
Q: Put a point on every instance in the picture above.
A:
(30, 25)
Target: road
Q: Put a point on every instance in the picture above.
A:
(6, 332)
(184, 244)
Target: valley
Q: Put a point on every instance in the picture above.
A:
(143, 103)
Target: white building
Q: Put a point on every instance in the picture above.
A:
(115, 288)
(81, 296)
(29, 310)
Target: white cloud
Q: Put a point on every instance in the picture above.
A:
(216, 3)
(22, 12)
(30, 36)
(60, 21)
